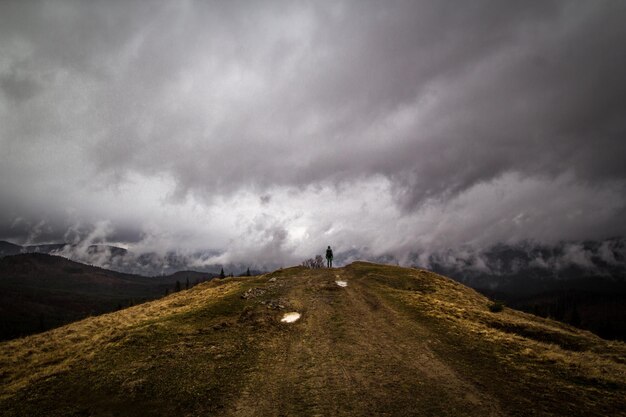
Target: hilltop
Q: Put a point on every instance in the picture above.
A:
(392, 341)
(582, 283)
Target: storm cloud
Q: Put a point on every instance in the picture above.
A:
(271, 129)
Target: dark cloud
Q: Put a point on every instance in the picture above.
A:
(18, 87)
(462, 122)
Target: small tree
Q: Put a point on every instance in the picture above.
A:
(177, 287)
(248, 273)
(316, 263)
(187, 284)
(222, 275)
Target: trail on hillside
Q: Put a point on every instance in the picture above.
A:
(353, 354)
(391, 341)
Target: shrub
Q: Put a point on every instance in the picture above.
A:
(316, 263)
(496, 306)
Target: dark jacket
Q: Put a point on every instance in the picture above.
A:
(329, 253)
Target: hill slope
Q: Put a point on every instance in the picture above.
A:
(394, 341)
(40, 292)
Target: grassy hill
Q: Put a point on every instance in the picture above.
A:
(394, 341)
(39, 292)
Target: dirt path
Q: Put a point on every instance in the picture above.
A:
(353, 354)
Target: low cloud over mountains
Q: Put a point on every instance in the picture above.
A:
(489, 268)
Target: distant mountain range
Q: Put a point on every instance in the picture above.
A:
(7, 249)
(527, 267)
(123, 260)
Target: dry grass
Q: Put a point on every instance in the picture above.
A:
(395, 341)
(538, 339)
(26, 360)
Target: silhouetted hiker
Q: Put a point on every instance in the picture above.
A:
(329, 257)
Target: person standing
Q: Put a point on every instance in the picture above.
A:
(329, 257)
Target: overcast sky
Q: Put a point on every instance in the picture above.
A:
(269, 130)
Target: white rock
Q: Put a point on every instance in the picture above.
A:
(290, 317)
